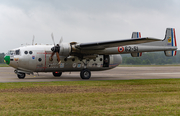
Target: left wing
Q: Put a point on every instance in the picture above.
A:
(115, 43)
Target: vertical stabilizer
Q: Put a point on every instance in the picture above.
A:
(170, 40)
(136, 35)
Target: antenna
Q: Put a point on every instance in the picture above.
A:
(33, 40)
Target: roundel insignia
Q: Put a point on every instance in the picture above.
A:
(33, 57)
(74, 65)
(120, 49)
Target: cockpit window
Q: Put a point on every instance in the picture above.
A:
(17, 52)
(10, 53)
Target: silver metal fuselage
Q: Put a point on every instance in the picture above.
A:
(35, 58)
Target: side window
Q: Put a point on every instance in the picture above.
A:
(17, 52)
(26, 52)
(30, 52)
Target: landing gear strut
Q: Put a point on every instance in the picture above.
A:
(85, 73)
(21, 75)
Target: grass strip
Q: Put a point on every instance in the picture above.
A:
(4, 65)
(122, 97)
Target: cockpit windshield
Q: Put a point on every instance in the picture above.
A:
(13, 52)
(10, 53)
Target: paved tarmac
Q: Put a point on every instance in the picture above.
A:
(119, 73)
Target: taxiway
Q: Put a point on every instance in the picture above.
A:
(119, 73)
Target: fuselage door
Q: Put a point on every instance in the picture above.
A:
(40, 61)
(106, 60)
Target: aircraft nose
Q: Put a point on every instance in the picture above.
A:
(7, 59)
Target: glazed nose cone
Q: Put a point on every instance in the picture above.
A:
(7, 59)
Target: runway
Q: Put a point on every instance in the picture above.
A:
(119, 73)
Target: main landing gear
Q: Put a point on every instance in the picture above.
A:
(85, 73)
(21, 75)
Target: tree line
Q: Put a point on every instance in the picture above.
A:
(2, 58)
(151, 58)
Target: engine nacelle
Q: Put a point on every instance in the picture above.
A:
(65, 49)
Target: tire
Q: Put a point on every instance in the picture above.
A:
(21, 75)
(85, 74)
(57, 74)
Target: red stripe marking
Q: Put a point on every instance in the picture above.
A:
(175, 53)
(174, 37)
(139, 35)
(45, 59)
(141, 54)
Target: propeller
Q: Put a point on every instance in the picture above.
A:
(61, 40)
(53, 38)
(55, 49)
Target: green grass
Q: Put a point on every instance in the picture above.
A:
(121, 97)
(4, 65)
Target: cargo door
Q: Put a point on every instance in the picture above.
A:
(106, 60)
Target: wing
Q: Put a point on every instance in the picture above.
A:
(115, 43)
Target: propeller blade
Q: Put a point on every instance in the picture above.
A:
(53, 38)
(61, 40)
(57, 54)
(51, 58)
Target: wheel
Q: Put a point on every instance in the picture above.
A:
(57, 74)
(21, 75)
(85, 74)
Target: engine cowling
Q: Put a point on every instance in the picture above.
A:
(65, 49)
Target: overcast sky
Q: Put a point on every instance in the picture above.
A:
(84, 20)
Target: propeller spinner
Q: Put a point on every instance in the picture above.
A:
(55, 49)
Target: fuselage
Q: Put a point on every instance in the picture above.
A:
(35, 58)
